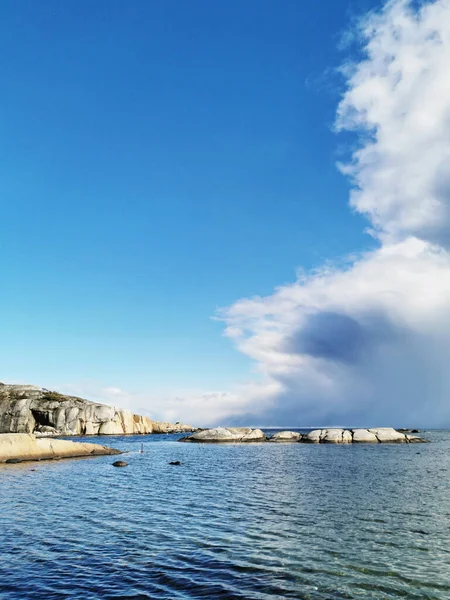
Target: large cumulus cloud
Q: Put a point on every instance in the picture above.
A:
(370, 344)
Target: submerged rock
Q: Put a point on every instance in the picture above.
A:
(120, 463)
(175, 462)
(286, 437)
(414, 439)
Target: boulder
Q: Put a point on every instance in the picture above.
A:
(313, 437)
(254, 435)
(347, 437)
(120, 463)
(222, 434)
(389, 435)
(364, 436)
(217, 435)
(286, 437)
(331, 436)
(46, 431)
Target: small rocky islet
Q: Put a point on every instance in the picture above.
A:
(381, 435)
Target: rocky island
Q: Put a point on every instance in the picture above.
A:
(239, 435)
(44, 413)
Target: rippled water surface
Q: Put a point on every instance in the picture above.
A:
(234, 521)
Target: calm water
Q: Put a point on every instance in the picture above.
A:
(247, 522)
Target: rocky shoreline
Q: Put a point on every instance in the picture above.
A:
(381, 435)
(23, 447)
(45, 413)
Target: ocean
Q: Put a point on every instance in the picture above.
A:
(258, 522)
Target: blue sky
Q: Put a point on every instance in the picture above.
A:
(165, 162)
(160, 160)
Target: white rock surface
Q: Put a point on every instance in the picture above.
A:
(364, 436)
(347, 437)
(286, 436)
(24, 446)
(254, 435)
(388, 434)
(332, 436)
(317, 436)
(217, 434)
(29, 409)
(313, 437)
(225, 434)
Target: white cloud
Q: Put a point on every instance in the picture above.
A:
(398, 97)
(194, 407)
(368, 343)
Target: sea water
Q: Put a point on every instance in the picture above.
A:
(253, 521)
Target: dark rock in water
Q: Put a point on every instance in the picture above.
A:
(120, 463)
(13, 461)
(403, 430)
(175, 462)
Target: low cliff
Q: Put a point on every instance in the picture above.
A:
(30, 409)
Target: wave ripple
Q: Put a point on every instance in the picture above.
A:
(237, 522)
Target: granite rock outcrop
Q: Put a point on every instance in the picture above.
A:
(19, 447)
(316, 436)
(30, 409)
(223, 435)
(285, 437)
